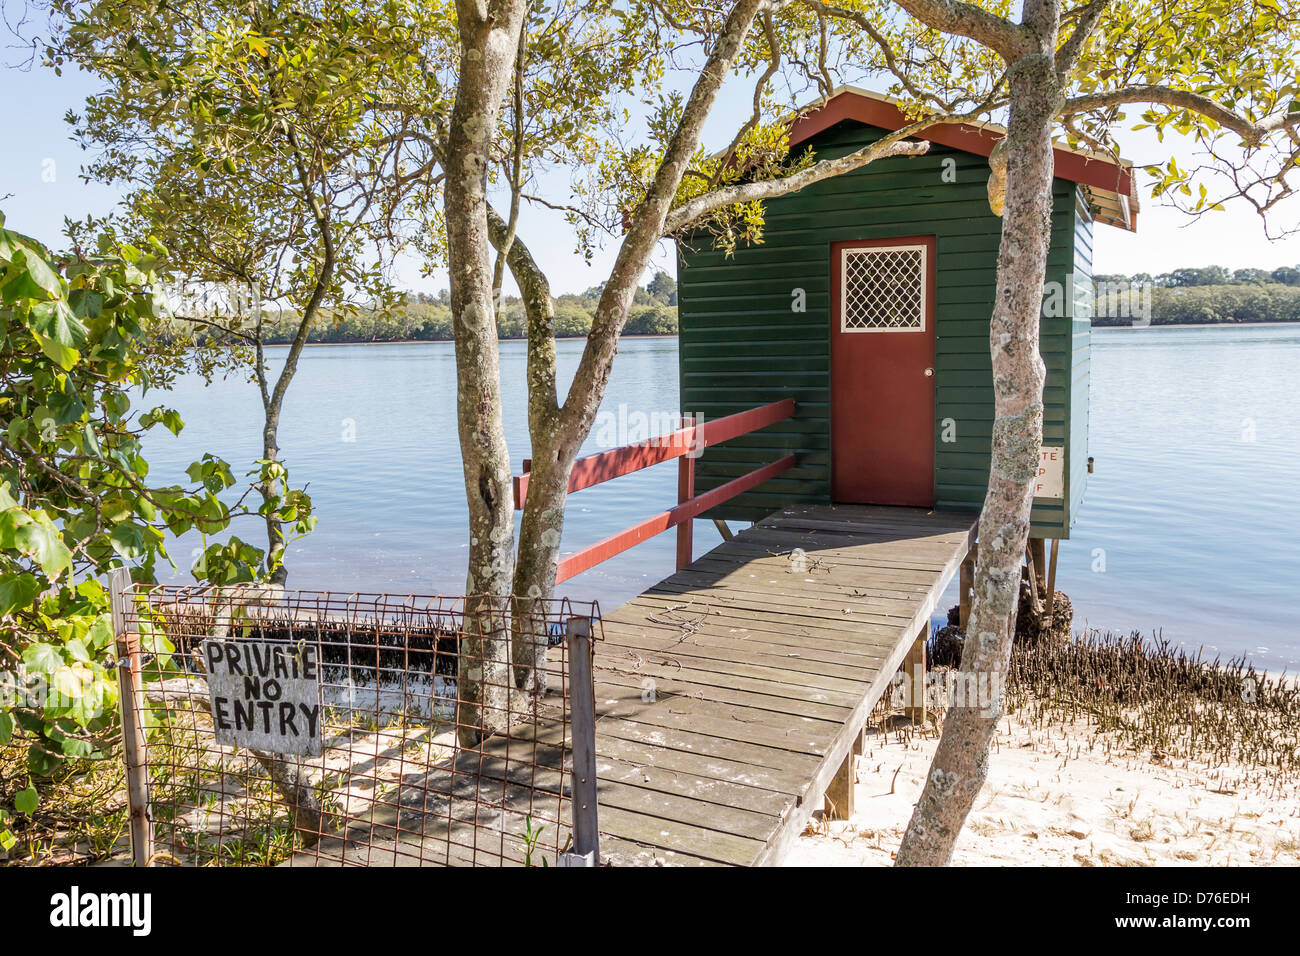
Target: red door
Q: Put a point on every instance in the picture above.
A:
(882, 371)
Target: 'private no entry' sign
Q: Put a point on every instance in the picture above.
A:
(265, 695)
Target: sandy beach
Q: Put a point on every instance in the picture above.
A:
(1068, 796)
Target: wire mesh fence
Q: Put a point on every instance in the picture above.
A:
(272, 727)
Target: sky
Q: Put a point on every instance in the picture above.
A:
(40, 185)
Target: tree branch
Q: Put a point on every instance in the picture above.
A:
(1068, 54)
(647, 224)
(882, 43)
(1007, 39)
(539, 310)
(716, 199)
(1251, 132)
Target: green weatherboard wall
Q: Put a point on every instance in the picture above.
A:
(743, 344)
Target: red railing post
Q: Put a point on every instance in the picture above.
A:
(685, 492)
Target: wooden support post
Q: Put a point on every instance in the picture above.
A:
(838, 801)
(967, 585)
(1038, 562)
(135, 745)
(723, 529)
(1051, 579)
(914, 669)
(685, 492)
(582, 725)
(1031, 574)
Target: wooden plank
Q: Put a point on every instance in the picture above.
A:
(825, 581)
(808, 621)
(741, 668)
(738, 587)
(833, 535)
(627, 742)
(723, 648)
(801, 736)
(764, 601)
(691, 686)
(826, 601)
(706, 681)
(870, 523)
(698, 787)
(631, 702)
(823, 649)
(672, 808)
(758, 757)
(727, 614)
(724, 621)
(681, 837)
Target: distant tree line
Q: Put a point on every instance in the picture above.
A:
(423, 317)
(1209, 295)
(1192, 296)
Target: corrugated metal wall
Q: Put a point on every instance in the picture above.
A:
(744, 342)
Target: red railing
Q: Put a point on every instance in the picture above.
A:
(685, 444)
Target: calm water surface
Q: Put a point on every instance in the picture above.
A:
(1191, 524)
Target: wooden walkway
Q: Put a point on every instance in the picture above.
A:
(730, 695)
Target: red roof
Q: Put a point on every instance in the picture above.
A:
(1109, 183)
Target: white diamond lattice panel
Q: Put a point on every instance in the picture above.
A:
(883, 289)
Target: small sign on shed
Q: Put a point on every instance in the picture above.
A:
(265, 695)
(1051, 473)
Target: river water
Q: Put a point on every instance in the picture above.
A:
(1190, 526)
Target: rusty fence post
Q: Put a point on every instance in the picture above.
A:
(131, 694)
(582, 724)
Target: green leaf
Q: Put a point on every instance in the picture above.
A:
(66, 406)
(30, 277)
(100, 634)
(62, 355)
(86, 303)
(18, 591)
(170, 419)
(26, 801)
(42, 658)
(76, 748)
(6, 727)
(56, 321)
(40, 541)
(128, 540)
(71, 682)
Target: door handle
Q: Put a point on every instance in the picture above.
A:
(929, 373)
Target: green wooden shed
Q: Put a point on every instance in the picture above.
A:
(868, 302)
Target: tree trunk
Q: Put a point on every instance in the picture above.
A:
(961, 762)
(558, 432)
(274, 535)
(539, 551)
(489, 42)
